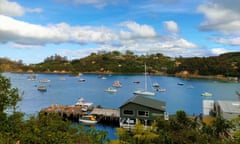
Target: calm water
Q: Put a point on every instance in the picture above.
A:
(68, 91)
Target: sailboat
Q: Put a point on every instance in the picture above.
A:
(144, 92)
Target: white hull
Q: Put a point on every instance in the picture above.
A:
(143, 93)
(206, 94)
(111, 90)
(87, 121)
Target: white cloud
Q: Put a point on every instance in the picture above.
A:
(140, 39)
(14, 9)
(138, 30)
(96, 3)
(11, 8)
(34, 10)
(218, 51)
(222, 16)
(21, 46)
(171, 26)
(235, 41)
(25, 33)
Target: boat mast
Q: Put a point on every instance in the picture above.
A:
(145, 68)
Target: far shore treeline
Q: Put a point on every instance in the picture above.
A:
(115, 62)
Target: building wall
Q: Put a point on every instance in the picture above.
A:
(132, 110)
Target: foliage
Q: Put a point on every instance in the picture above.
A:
(116, 62)
(41, 129)
(8, 96)
(179, 129)
(236, 130)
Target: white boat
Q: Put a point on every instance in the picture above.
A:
(88, 119)
(42, 88)
(83, 104)
(207, 94)
(117, 84)
(144, 92)
(155, 84)
(111, 90)
(44, 81)
(32, 77)
(180, 83)
(81, 80)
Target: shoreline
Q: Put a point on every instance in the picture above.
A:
(184, 75)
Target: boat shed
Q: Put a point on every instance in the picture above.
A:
(141, 108)
(228, 109)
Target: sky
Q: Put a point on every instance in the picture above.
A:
(31, 31)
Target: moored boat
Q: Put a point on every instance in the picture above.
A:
(81, 80)
(44, 81)
(88, 119)
(85, 106)
(111, 90)
(42, 88)
(144, 92)
(117, 84)
(156, 84)
(207, 94)
(180, 83)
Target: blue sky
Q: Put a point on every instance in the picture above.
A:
(33, 30)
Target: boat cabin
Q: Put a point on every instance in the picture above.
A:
(141, 108)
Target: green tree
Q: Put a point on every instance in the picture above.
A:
(221, 127)
(236, 133)
(9, 97)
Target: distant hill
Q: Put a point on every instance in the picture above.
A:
(227, 65)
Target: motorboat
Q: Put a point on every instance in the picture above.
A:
(42, 88)
(88, 119)
(207, 94)
(136, 82)
(111, 90)
(32, 77)
(180, 83)
(156, 84)
(81, 80)
(84, 104)
(44, 81)
(117, 84)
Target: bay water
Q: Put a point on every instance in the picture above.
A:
(65, 89)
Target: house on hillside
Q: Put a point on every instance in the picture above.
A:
(141, 108)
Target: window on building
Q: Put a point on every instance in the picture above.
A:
(128, 112)
(143, 113)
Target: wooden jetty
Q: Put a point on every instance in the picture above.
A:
(106, 116)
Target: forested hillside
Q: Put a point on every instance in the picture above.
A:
(115, 62)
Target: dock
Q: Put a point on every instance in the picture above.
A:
(106, 116)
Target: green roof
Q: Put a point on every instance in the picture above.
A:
(147, 102)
